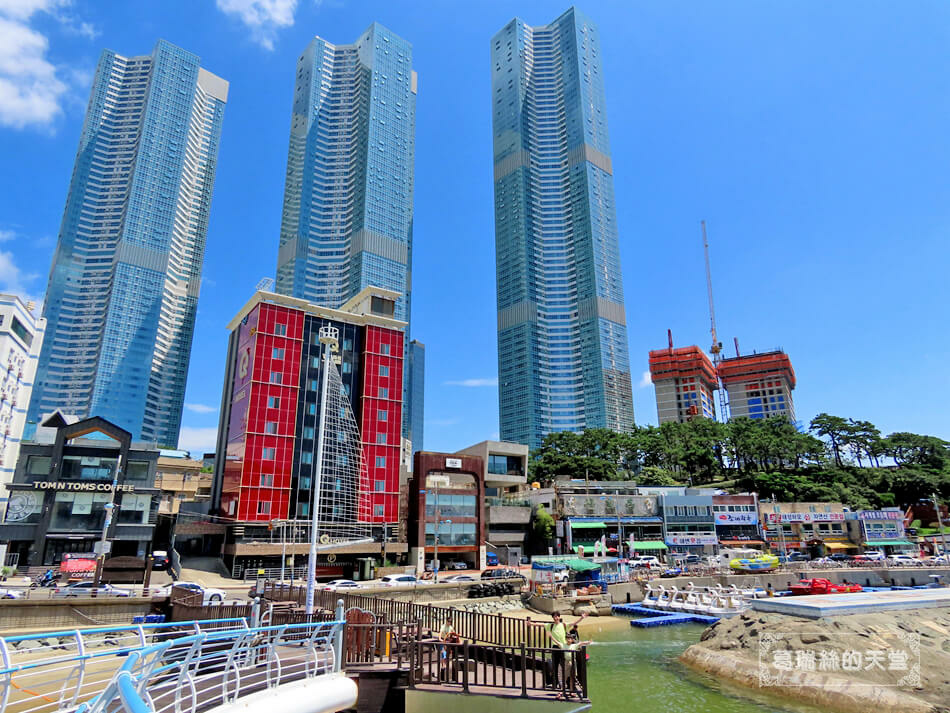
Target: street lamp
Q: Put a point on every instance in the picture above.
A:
(435, 553)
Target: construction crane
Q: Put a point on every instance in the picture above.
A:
(716, 348)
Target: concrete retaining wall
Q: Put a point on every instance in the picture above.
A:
(22, 615)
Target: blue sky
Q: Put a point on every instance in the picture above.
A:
(811, 136)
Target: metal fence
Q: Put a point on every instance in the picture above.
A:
(476, 626)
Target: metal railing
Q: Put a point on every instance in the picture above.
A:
(163, 667)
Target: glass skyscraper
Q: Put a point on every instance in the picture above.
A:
(123, 287)
(414, 428)
(563, 362)
(347, 217)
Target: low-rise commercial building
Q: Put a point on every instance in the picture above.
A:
(737, 520)
(880, 530)
(63, 488)
(689, 525)
(612, 511)
(181, 480)
(447, 518)
(815, 529)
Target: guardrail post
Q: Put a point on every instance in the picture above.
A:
(465, 667)
(338, 643)
(524, 671)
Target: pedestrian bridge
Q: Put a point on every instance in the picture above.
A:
(168, 668)
(308, 666)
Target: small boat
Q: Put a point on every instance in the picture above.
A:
(822, 586)
(761, 563)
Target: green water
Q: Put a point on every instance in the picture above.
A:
(636, 671)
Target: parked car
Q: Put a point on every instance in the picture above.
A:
(86, 589)
(938, 560)
(336, 584)
(840, 557)
(398, 580)
(210, 595)
(688, 559)
(671, 572)
(645, 560)
(491, 559)
(502, 573)
(10, 593)
(457, 565)
(460, 578)
(794, 557)
(871, 556)
(902, 560)
(160, 561)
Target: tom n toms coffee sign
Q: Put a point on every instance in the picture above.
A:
(100, 487)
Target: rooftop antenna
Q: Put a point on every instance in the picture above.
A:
(669, 336)
(716, 348)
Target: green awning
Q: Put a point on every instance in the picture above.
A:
(588, 546)
(587, 525)
(580, 565)
(882, 543)
(649, 545)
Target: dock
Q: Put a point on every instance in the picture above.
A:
(654, 617)
(823, 605)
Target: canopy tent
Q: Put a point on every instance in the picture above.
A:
(555, 566)
(587, 525)
(579, 565)
(649, 545)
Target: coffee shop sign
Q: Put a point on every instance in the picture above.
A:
(107, 487)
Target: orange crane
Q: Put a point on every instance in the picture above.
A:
(716, 348)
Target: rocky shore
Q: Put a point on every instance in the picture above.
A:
(898, 662)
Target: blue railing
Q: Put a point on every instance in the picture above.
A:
(164, 667)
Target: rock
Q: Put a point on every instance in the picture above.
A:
(708, 634)
(728, 644)
(813, 638)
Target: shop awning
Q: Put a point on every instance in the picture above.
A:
(649, 545)
(741, 542)
(587, 525)
(580, 565)
(840, 546)
(886, 543)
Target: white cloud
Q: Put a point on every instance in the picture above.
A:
(264, 18)
(14, 281)
(200, 408)
(32, 88)
(202, 440)
(473, 382)
(6, 236)
(645, 380)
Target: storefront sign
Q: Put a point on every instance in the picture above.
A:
(453, 462)
(880, 515)
(692, 540)
(736, 518)
(804, 517)
(107, 487)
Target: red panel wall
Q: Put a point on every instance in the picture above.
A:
(381, 460)
(265, 479)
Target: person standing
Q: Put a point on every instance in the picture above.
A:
(557, 635)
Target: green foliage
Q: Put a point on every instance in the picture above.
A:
(838, 459)
(543, 526)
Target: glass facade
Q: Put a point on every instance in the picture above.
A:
(563, 360)
(416, 371)
(347, 215)
(123, 288)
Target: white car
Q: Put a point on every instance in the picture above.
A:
(938, 560)
(460, 578)
(210, 595)
(904, 560)
(645, 560)
(86, 589)
(340, 584)
(398, 580)
(874, 556)
(10, 593)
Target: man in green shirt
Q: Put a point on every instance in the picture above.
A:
(557, 633)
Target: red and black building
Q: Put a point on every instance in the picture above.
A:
(270, 406)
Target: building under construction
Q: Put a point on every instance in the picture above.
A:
(684, 379)
(758, 385)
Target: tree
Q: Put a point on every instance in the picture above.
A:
(543, 526)
(834, 428)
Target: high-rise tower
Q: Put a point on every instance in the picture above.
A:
(563, 362)
(347, 217)
(123, 288)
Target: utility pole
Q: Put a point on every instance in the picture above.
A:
(943, 534)
(109, 509)
(329, 337)
(438, 523)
